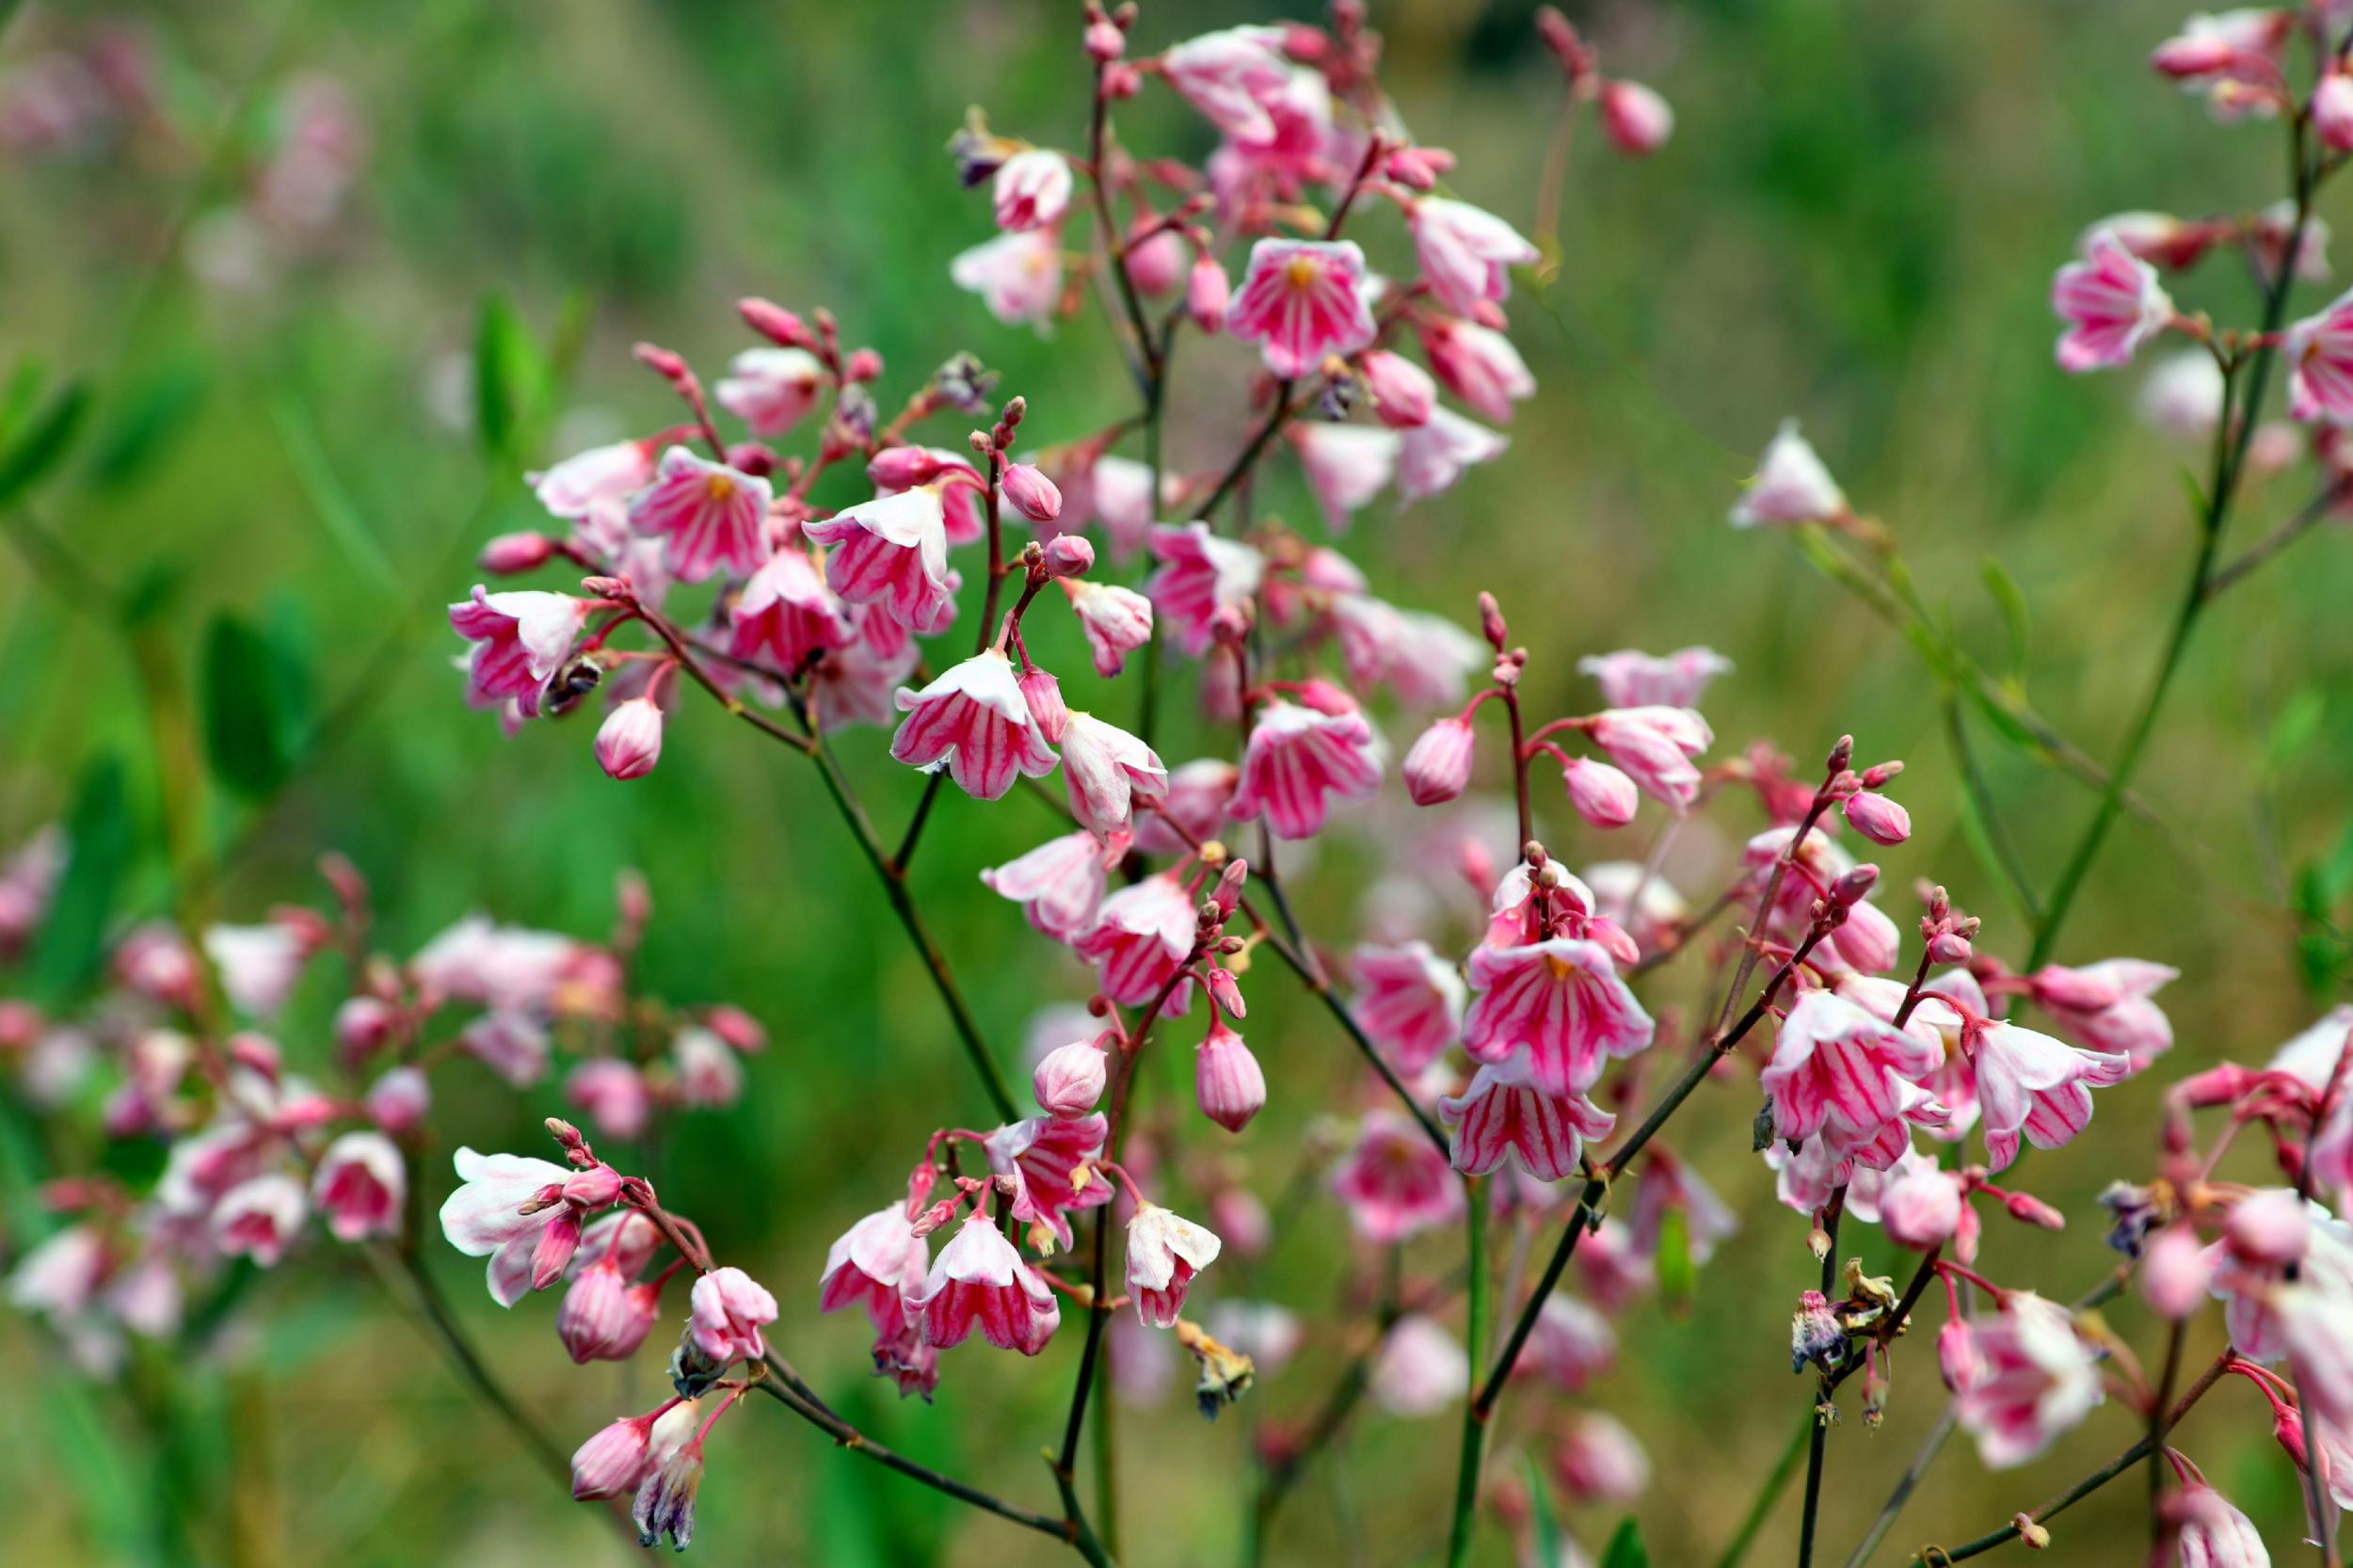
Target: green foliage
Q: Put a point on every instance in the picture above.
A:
(98, 851)
(253, 723)
(1625, 1548)
(35, 449)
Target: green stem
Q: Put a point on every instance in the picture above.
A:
(1818, 1447)
(1474, 1417)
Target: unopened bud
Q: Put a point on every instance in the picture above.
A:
(1853, 887)
(1841, 755)
(665, 363)
(774, 323)
(2034, 1535)
(512, 553)
(1070, 1079)
(1950, 947)
(593, 1188)
(1068, 555)
(1032, 494)
(1229, 885)
(1491, 622)
(2034, 1211)
(863, 364)
(1227, 992)
(1104, 41)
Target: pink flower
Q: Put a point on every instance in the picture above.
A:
(520, 638)
(1839, 1071)
(1504, 1113)
(1018, 276)
(1164, 1252)
(2333, 111)
(877, 1264)
(1432, 455)
(1563, 1000)
(2319, 351)
(1791, 486)
(595, 485)
(2175, 1274)
(1141, 937)
(1297, 760)
(2244, 42)
(1655, 745)
(786, 614)
(1599, 1461)
(259, 1218)
(258, 964)
(1346, 465)
(893, 552)
(1227, 1084)
(2033, 1379)
(972, 720)
(1402, 391)
(1410, 1001)
(1570, 1346)
(1032, 190)
(1467, 254)
(2107, 1006)
(1107, 769)
(1920, 1206)
(612, 1093)
(771, 389)
(629, 742)
(613, 1461)
(2212, 1533)
(1207, 294)
(1437, 766)
(1636, 120)
(398, 1100)
(1117, 621)
(1225, 74)
(511, 1043)
(1051, 1160)
(606, 1317)
(1478, 365)
(979, 1281)
(1118, 492)
(729, 1306)
(1036, 497)
(2112, 302)
(1299, 301)
(1419, 1370)
(1394, 1183)
(2316, 1331)
(711, 517)
(1059, 884)
(1427, 660)
(1201, 576)
(1198, 794)
(2030, 1083)
(484, 1218)
(1602, 794)
(1877, 818)
(1068, 1079)
(358, 1186)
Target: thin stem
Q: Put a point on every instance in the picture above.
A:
(1474, 1423)
(1930, 1446)
(1818, 1446)
(2156, 1445)
(469, 1365)
(2312, 513)
(2006, 859)
(1519, 772)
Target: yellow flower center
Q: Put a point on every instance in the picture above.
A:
(719, 488)
(1301, 272)
(1559, 967)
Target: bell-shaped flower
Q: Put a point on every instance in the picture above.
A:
(1018, 276)
(1840, 1071)
(2031, 1084)
(1200, 577)
(973, 722)
(1227, 1083)
(2034, 1379)
(2106, 1005)
(1629, 679)
(1164, 1252)
(259, 1218)
(1059, 884)
(1346, 465)
(1227, 73)
(1394, 1182)
(709, 517)
(593, 488)
(1562, 999)
(771, 389)
(979, 1282)
(1107, 771)
(1051, 1160)
(1467, 254)
(1503, 1112)
(604, 1317)
(1478, 365)
(1299, 301)
(1116, 620)
(877, 1264)
(786, 614)
(520, 639)
(1655, 746)
(891, 551)
(2111, 302)
(729, 1307)
(1410, 1000)
(1433, 455)
(1298, 760)
(1141, 937)
(1032, 190)
(2319, 354)
(485, 1217)
(1792, 486)
(1420, 1368)
(359, 1185)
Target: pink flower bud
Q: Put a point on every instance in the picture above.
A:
(1602, 794)
(2174, 1273)
(863, 364)
(1044, 694)
(774, 323)
(1402, 392)
(558, 1239)
(2032, 1535)
(1207, 295)
(1226, 1080)
(630, 743)
(1957, 1355)
(1637, 120)
(2032, 1210)
(1069, 556)
(1156, 264)
(1121, 83)
(1324, 698)
(2269, 1228)
(594, 1313)
(512, 553)
(1226, 895)
(738, 1028)
(2333, 111)
(903, 468)
(1950, 947)
(1877, 818)
(1070, 1080)
(594, 1188)
(1853, 887)
(1032, 493)
(398, 1101)
(1226, 990)
(1491, 623)
(364, 1026)
(1438, 766)
(612, 1461)
(1105, 43)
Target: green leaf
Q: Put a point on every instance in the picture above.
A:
(17, 399)
(250, 731)
(152, 416)
(2335, 876)
(1626, 1549)
(2293, 731)
(315, 473)
(1678, 1276)
(98, 851)
(42, 445)
(509, 376)
(2006, 724)
(2013, 605)
(1542, 1517)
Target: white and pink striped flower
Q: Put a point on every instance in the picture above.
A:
(1107, 771)
(1629, 679)
(728, 1309)
(2319, 354)
(2112, 302)
(259, 1218)
(1059, 884)
(1792, 485)
(1201, 577)
(1164, 1252)
(1467, 254)
(1434, 454)
(1226, 75)
(1410, 1001)
(1299, 301)
(1018, 276)
(1141, 937)
(771, 389)
(1298, 760)
(1117, 621)
(1346, 465)
(484, 1218)
(1394, 1183)
(1050, 1162)
(1504, 1113)
(520, 639)
(359, 1185)
(1851, 1077)
(2033, 1379)
(892, 551)
(979, 1282)
(2106, 1005)
(1478, 365)
(973, 722)
(708, 516)
(786, 614)
(1655, 746)
(2031, 1084)
(1032, 190)
(1564, 1002)
(875, 1264)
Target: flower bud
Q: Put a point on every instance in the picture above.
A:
(1491, 624)
(1207, 293)
(1044, 694)
(1325, 698)
(1227, 991)
(364, 1026)
(558, 1240)
(612, 1460)
(1402, 392)
(630, 741)
(594, 1188)
(594, 1313)
(398, 1101)
(2034, 1211)
(863, 364)
(1069, 556)
(2268, 1228)
(1438, 768)
(1957, 1355)
(2174, 1273)
(1877, 818)
(738, 1028)
(774, 323)
(1069, 1081)
(1226, 895)
(1602, 794)
(512, 553)
(2333, 111)
(1032, 493)
(2034, 1535)
(1105, 43)
(1226, 1080)
(1950, 947)
(1636, 120)
(1853, 887)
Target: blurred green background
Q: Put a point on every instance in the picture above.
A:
(1855, 223)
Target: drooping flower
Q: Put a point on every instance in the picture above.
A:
(1503, 1112)
(1018, 276)
(875, 1264)
(1298, 760)
(1635, 119)
(1032, 190)
(1402, 391)
(973, 722)
(1164, 1252)
(1051, 1162)
(665, 1503)
(1838, 1070)
(729, 1307)
(484, 1218)
(1478, 365)
(1561, 999)
(771, 389)
(979, 1282)
(1227, 73)
(892, 551)
(613, 1461)
(1409, 1000)
(786, 614)
(1394, 1183)
(709, 517)
(1432, 455)
(1419, 1370)
(1068, 1080)
(2034, 1379)
(1059, 884)
(1599, 1461)
(1299, 301)
(358, 1186)
(520, 638)
(594, 486)
(1467, 254)
(1346, 464)
(2112, 302)
(1107, 771)
(604, 1317)
(1201, 576)
(259, 1218)
(2319, 353)
(629, 742)
(1116, 620)
(2106, 1005)
(1655, 746)
(1792, 485)
(1437, 766)
(2032, 1084)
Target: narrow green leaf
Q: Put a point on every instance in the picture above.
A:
(153, 415)
(98, 851)
(2004, 588)
(42, 445)
(1678, 1276)
(315, 473)
(509, 376)
(18, 397)
(249, 735)
(1542, 1516)
(2335, 876)
(1626, 1549)
(2006, 724)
